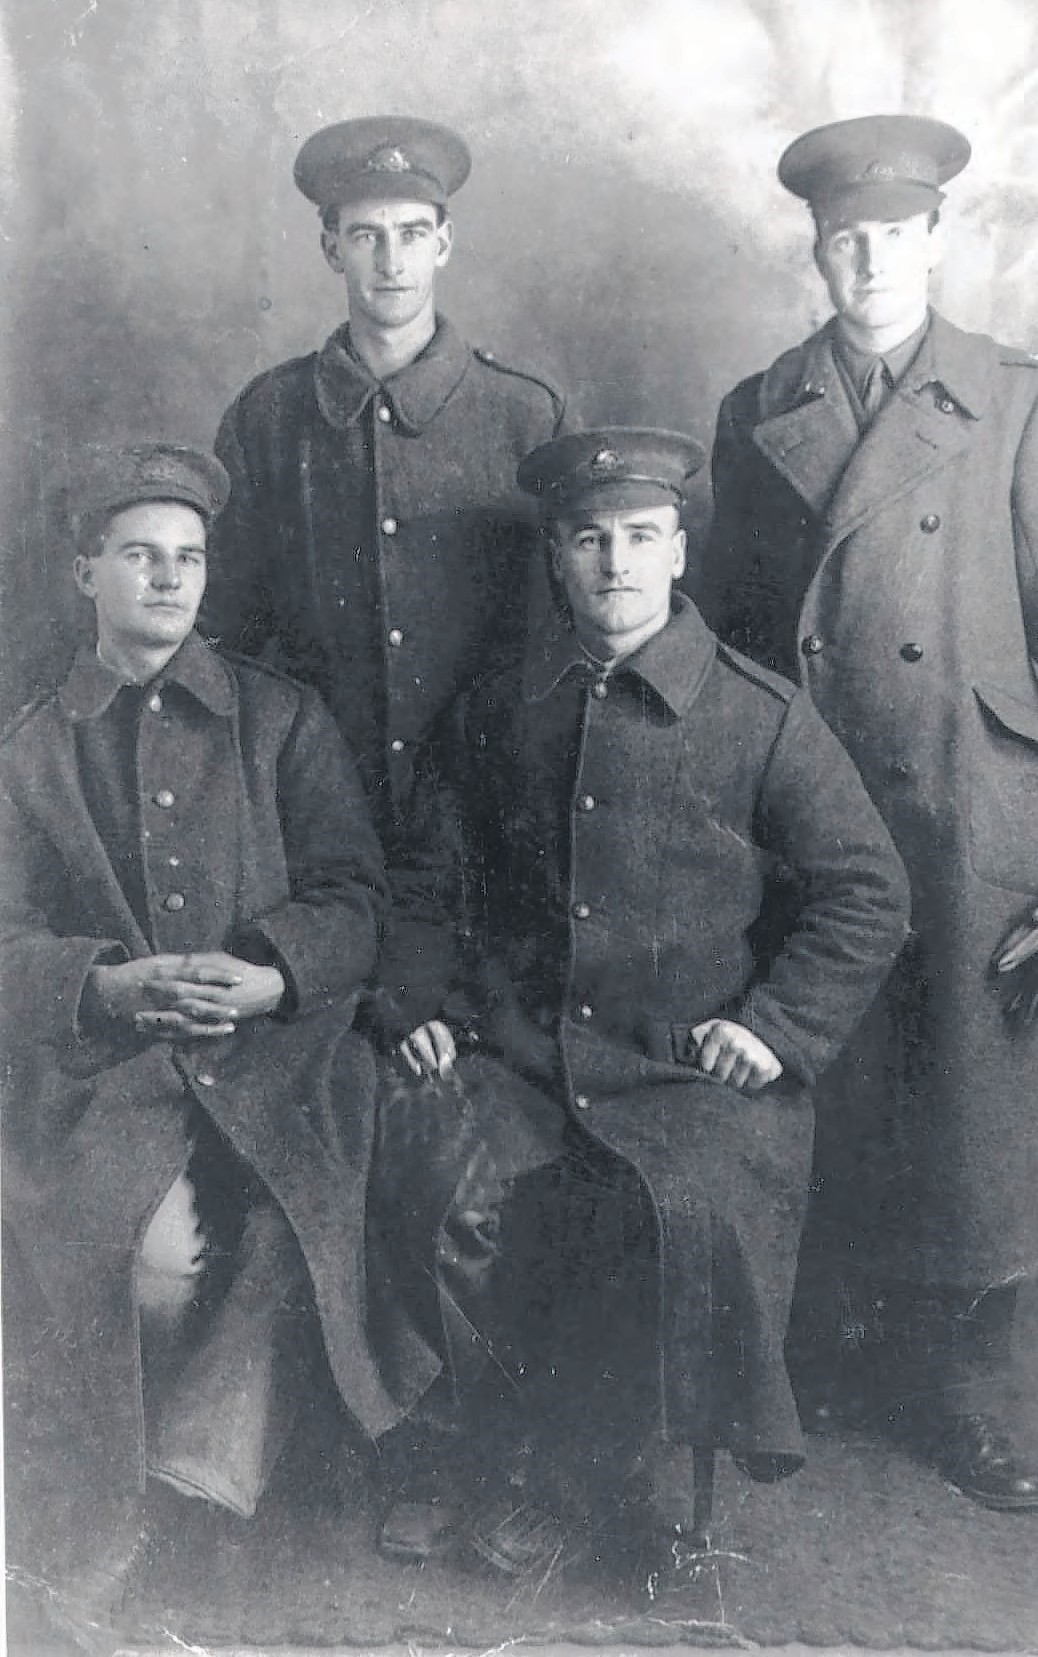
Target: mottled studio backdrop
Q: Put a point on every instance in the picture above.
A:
(622, 226)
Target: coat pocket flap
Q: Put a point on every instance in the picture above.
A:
(1019, 718)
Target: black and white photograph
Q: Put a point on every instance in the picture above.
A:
(519, 826)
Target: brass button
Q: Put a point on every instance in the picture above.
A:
(929, 523)
(584, 1012)
(581, 911)
(812, 645)
(205, 1078)
(385, 414)
(397, 745)
(389, 526)
(912, 652)
(900, 768)
(164, 798)
(174, 901)
(586, 802)
(395, 637)
(946, 406)
(600, 689)
(581, 1101)
(155, 702)
(174, 861)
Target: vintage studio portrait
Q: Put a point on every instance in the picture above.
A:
(519, 825)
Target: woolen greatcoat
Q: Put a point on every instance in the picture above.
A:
(375, 543)
(620, 839)
(244, 779)
(895, 575)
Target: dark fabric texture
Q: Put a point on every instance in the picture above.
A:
(614, 854)
(97, 1125)
(376, 544)
(895, 577)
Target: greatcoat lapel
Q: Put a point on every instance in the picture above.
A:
(808, 430)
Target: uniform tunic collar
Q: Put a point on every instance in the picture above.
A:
(91, 686)
(959, 363)
(674, 662)
(416, 394)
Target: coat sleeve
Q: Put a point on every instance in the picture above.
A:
(1025, 530)
(237, 610)
(850, 917)
(719, 583)
(325, 936)
(42, 974)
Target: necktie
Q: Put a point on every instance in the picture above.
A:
(874, 391)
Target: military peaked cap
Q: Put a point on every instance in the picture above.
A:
(382, 155)
(877, 167)
(622, 466)
(110, 479)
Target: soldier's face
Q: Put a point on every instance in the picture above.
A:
(877, 270)
(147, 578)
(389, 253)
(617, 568)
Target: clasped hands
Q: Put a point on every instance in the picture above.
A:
(726, 1051)
(184, 997)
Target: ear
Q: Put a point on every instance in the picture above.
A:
(83, 573)
(680, 545)
(330, 249)
(444, 241)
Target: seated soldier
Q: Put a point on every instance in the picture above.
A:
(680, 900)
(190, 901)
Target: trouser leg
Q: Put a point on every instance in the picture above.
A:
(216, 1424)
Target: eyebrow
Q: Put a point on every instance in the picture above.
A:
(426, 222)
(581, 524)
(155, 546)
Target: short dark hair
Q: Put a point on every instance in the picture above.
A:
(330, 216)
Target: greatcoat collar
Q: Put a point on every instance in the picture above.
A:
(808, 432)
(91, 687)
(673, 663)
(416, 393)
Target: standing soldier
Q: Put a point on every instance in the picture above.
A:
(876, 537)
(370, 544)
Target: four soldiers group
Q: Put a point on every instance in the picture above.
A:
(269, 1133)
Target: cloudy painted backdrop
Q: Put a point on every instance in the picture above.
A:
(622, 226)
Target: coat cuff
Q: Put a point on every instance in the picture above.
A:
(802, 1058)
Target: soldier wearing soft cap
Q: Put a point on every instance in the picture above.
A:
(191, 894)
(876, 537)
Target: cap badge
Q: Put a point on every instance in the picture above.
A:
(605, 464)
(164, 469)
(388, 160)
(880, 169)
